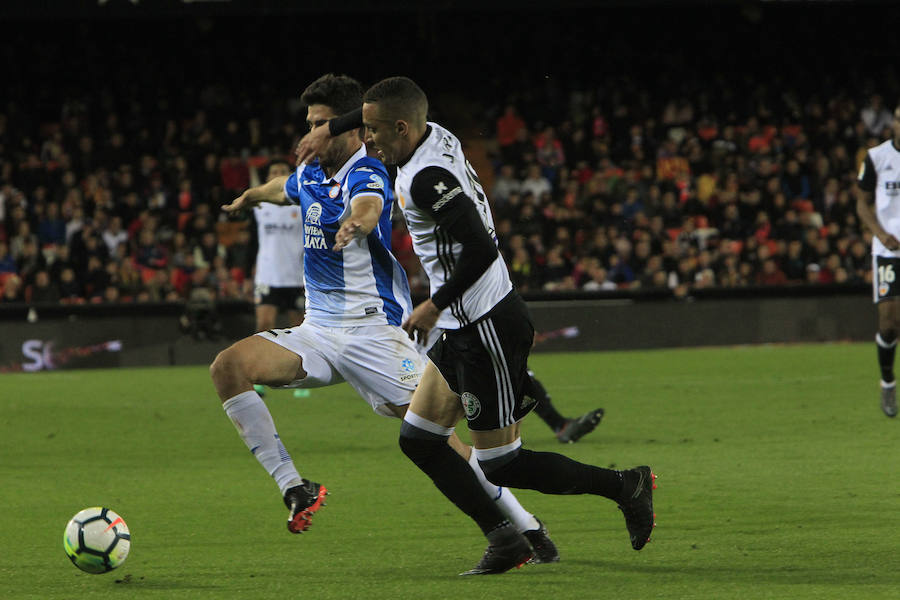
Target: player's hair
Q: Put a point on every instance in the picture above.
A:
(399, 98)
(277, 161)
(339, 92)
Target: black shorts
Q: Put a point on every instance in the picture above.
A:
(486, 364)
(885, 271)
(284, 298)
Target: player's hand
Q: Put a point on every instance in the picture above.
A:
(421, 321)
(349, 230)
(890, 242)
(311, 144)
(241, 202)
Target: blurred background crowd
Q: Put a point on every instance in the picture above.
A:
(642, 170)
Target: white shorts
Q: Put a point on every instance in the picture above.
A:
(378, 361)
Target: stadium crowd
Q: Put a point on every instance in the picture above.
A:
(112, 194)
(613, 197)
(602, 199)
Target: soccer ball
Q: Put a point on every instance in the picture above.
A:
(97, 540)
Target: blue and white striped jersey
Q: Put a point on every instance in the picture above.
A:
(363, 284)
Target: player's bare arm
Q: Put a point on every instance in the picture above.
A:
(865, 201)
(364, 214)
(311, 144)
(314, 142)
(272, 191)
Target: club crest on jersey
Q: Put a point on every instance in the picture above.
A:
(334, 191)
(883, 290)
(314, 213)
(471, 405)
(313, 236)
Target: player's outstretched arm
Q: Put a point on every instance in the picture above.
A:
(364, 214)
(271, 191)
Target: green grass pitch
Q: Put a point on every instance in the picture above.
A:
(778, 479)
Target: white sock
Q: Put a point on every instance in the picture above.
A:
(254, 423)
(506, 501)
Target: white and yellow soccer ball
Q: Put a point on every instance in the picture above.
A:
(97, 540)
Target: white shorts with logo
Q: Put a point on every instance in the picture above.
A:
(379, 361)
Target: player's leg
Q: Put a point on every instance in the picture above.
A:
(491, 379)
(265, 316)
(886, 295)
(568, 431)
(886, 341)
(258, 360)
(424, 434)
(295, 317)
(530, 526)
(296, 306)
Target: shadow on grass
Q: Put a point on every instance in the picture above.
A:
(786, 574)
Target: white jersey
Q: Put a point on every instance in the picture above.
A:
(880, 173)
(437, 251)
(279, 261)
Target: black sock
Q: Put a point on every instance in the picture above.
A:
(886, 351)
(544, 408)
(552, 473)
(453, 476)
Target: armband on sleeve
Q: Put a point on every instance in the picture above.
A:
(346, 122)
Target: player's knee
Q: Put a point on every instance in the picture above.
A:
(226, 365)
(502, 470)
(420, 451)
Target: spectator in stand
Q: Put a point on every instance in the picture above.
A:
(535, 183)
(520, 153)
(52, 228)
(505, 185)
(114, 235)
(150, 253)
(7, 262)
(207, 251)
(30, 261)
(522, 269)
(876, 117)
(508, 127)
(44, 291)
(13, 290)
(549, 153)
(771, 274)
(794, 182)
(23, 237)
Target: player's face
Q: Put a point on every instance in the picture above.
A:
(382, 134)
(317, 115)
(278, 169)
